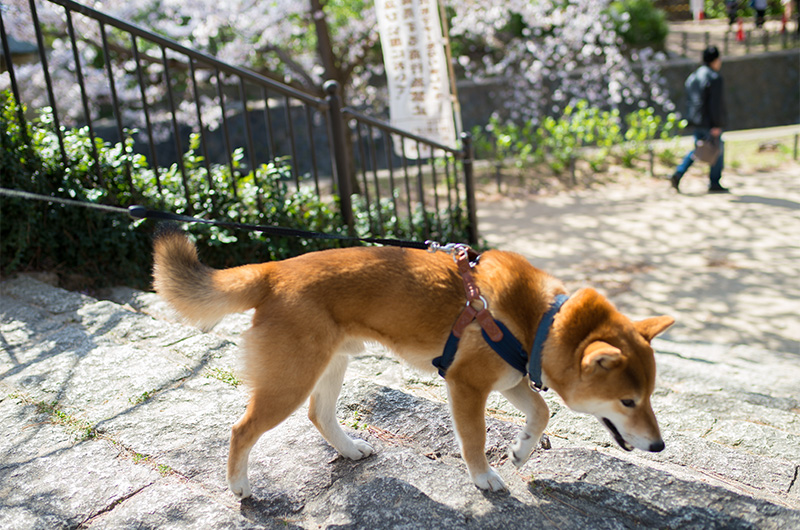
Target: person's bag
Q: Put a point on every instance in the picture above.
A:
(707, 149)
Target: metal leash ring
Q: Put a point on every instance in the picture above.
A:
(454, 249)
(483, 301)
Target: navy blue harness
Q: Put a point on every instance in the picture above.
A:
(504, 343)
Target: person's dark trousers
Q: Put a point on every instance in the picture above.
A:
(715, 173)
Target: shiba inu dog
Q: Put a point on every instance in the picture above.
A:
(314, 310)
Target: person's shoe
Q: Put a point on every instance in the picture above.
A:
(675, 180)
(718, 189)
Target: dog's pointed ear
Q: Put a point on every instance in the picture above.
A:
(650, 327)
(600, 354)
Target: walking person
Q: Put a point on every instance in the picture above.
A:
(707, 113)
(761, 10)
(732, 7)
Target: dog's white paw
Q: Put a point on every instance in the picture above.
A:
(489, 481)
(357, 450)
(520, 451)
(240, 487)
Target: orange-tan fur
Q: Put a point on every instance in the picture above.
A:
(312, 310)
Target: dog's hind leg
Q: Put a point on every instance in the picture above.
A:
(266, 410)
(537, 415)
(322, 411)
(279, 387)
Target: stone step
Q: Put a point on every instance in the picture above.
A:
(740, 397)
(111, 417)
(728, 403)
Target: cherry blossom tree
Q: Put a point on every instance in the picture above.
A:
(559, 51)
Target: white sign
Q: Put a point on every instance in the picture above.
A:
(417, 71)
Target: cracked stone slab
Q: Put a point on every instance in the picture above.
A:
(690, 458)
(48, 481)
(172, 503)
(186, 428)
(699, 367)
(633, 496)
(51, 299)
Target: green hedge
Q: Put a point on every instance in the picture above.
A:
(106, 248)
(581, 132)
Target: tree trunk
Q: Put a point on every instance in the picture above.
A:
(335, 73)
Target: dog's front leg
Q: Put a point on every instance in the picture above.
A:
(537, 415)
(468, 406)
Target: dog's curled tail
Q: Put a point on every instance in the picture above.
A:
(200, 294)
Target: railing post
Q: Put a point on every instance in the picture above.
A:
(8, 61)
(469, 187)
(338, 131)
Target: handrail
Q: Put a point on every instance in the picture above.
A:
(458, 153)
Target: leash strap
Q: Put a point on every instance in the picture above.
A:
(465, 259)
(473, 293)
(140, 212)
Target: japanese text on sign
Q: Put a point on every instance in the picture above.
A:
(416, 68)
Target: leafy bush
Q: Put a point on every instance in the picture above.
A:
(639, 23)
(38, 235)
(102, 248)
(581, 132)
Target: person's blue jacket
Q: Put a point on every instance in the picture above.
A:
(706, 99)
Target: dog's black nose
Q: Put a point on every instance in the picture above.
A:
(655, 447)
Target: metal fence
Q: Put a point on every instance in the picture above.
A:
(739, 42)
(156, 93)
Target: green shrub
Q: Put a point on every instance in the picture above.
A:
(581, 132)
(102, 248)
(39, 235)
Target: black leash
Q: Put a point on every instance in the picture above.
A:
(140, 212)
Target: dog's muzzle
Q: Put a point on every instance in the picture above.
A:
(655, 447)
(617, 436)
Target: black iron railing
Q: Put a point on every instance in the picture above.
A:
(736, 42)
(241, 119)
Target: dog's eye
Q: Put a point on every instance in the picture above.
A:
(628, 403)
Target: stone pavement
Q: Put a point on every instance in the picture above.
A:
(113, 415)
(726, 266)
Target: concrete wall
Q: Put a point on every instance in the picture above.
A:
(760, 90)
